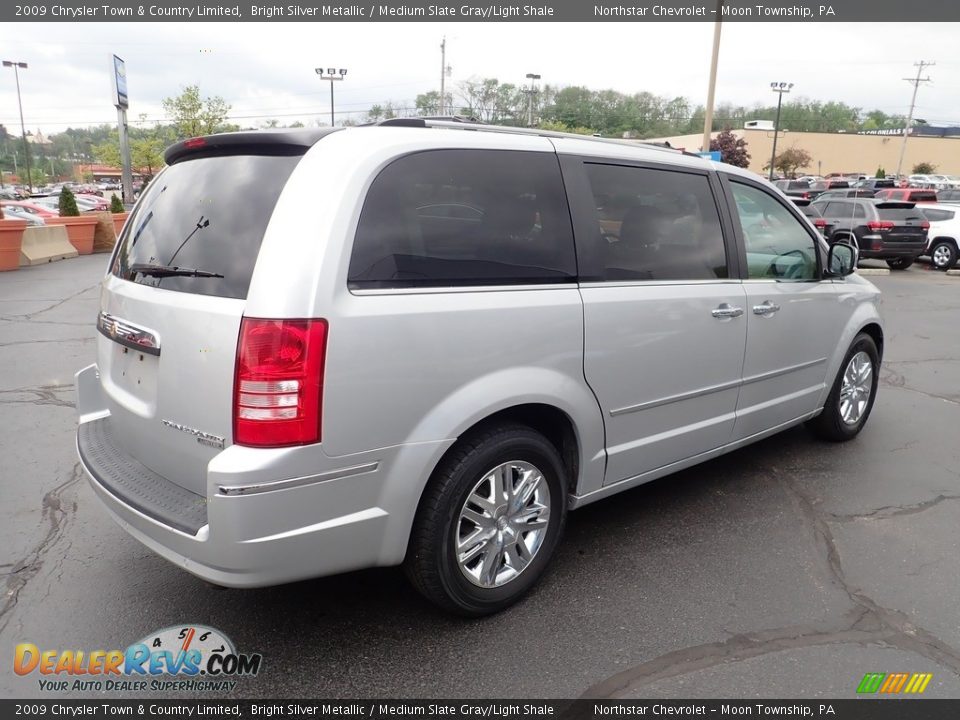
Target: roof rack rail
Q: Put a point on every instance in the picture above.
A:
(422, 121)
(472, 123)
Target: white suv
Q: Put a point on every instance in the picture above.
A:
(944, 235)
(424, 342)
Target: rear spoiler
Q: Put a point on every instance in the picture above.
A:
(800, 202)
(894, 204)
(247, 142)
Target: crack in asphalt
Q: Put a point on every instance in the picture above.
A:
(867, 622)
(31, 316)
(892, 378)
(38, 342)
(56, 512)
(43, 395)
(891, 511)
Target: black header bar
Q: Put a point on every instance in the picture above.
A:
(480, 11)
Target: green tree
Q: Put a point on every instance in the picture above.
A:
(68, 204)
(924, 168)
(733, 150)
(429, 103)
(193, 115)
(790, 160)
(560, 127)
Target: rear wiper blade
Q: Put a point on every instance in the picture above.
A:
(171, 271)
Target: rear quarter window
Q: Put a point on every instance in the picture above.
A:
(463, 218)
(204, 214)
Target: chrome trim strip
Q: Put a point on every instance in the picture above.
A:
(675, 398)
(577, 501)
(253, 489)
(715, 388)
(572, 285)
(782, 371)
(127, 334)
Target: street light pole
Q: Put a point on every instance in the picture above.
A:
(23, 128)
(711, 89)
(780, 89)
(332, 75)
(530, 92)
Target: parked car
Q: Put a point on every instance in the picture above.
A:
(813, 215)
(14, 212)
(795, 188)
(85, 203)
(922, 181)
(282, 395)
(848, 193)
(886, 230)
(944, 235)
(40, 211)
(907, 195)
(948, 196)
(875, 183)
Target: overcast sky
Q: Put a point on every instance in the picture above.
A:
(267, 70)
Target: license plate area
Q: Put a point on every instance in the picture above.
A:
(135, 373)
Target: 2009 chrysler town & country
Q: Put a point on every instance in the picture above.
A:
(423, 342)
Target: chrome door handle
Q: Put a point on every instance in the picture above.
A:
(766, 308)
(725, 310)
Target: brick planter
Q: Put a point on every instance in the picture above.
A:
(11, 239)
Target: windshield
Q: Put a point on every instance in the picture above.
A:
(207, 214)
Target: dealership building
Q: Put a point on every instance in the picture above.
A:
(845, 152)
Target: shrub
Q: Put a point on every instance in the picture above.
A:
(924, 168)
(68, 204)
(881, 173)
(116, 205)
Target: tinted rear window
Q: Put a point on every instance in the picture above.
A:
(206, 214)
(464, 217)
(901, 214)
(937, 215)
(925, 196)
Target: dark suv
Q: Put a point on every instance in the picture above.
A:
(886, 230)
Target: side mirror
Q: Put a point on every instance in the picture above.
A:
(841, 260)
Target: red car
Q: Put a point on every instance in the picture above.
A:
(907, 194)
(32, 208)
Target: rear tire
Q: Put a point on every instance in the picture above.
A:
(505, 485)
(851, 398)
(901, 263)
(943, 255)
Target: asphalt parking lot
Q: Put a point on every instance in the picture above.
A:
(786, 569)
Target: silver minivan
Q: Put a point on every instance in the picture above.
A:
(423, 342)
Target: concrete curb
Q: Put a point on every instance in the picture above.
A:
(873, 271)
(953, 273)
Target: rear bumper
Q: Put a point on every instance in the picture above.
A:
(875, 246)
(262, 521)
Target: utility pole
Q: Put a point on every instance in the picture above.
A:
(16, 65)
(443, 73)
(780, 88)
(708, 111)
(913, 100)
(530, 92)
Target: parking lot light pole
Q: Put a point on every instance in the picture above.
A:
(780, 88)
(332, 75)
(530, 92)
(23, 128)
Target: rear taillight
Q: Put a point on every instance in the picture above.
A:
(278, 388)
(820, 223)
(805, 196)
(925, 225)
(880, 225)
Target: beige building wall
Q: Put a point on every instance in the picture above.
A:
(842, 152)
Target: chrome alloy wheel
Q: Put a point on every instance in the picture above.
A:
(502, 524)
(856, 387)
(941, 256)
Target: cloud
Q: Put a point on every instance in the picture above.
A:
(266, 70)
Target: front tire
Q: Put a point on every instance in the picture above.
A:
(851, 399)
(901, 263)
(943, 255)
(489, 521)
